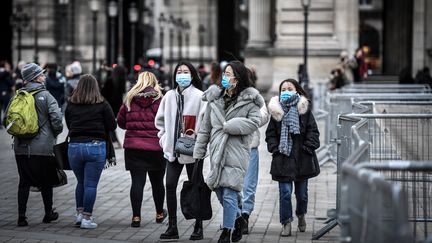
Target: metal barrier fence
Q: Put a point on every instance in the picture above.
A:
(388, 86)
(373, 209)
(343, 103)
(378, 138)
(415, 179)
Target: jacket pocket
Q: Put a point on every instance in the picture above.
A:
(283, 166)
(308, 165)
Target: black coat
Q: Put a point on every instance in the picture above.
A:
(302, 162)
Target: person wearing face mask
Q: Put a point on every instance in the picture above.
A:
(232, 116)
(292, 137)
(179, 114)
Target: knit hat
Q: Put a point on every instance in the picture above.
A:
(76, 68)
(31, 71)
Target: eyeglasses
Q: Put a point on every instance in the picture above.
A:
(228, 75)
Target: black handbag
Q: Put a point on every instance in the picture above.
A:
(185, 144)
(195, 196)
(61, 155)
(62, 178)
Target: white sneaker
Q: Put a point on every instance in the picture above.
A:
(286, 229)
(88, 223)
(78, 219)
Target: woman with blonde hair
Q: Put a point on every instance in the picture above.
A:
(143, 153)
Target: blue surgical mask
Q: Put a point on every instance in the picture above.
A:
(183, 79)
(226, 82)
(285, 95)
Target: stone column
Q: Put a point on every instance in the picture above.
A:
(419, 33)
(347, 24)
(259, 23)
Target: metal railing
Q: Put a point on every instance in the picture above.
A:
(381, 137)
(373, 209)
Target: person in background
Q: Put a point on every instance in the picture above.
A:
(213, 77)
(360, 70)
(73, 73)
(423, 76)
(6, 86)
(251, 178)
(347, 64)
(231, 118)
(143, 154)
(17, 77)
(292, 137)
(55, 83)
(89, 119)
(180, 113)
(405, 76)
(113, 90)
(34, 156)
(337, 79)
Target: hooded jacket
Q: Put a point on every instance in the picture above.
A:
(49, 120)
(303, 162)
(165, 122)
(141, 132)
(228, 134)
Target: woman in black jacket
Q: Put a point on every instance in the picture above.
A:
(89, 119)
(292, 137)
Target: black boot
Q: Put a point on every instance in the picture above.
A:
(198, 231)
(246, 223)
(50, 216)
(171, 233)
(225, 236)
(238, 229)
(22, 221)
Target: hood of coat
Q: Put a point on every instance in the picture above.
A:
(146, 97)
(247, 95)
(277, 112)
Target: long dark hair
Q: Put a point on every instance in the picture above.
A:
(87, 91)
(242, 74)
(196, 81)
(299, 89)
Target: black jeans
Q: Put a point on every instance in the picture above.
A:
(174, 170)
(35, 171)
(138, 183)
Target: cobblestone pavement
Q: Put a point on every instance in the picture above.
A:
(113, 210)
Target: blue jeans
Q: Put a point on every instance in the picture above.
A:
(230, 202)
(87, 161)
(285, 206)
(250, 182)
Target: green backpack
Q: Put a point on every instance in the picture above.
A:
(21, 117)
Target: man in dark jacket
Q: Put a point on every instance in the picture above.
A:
(34, 156)
(55, 84)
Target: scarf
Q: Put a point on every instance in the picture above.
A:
(290, 124)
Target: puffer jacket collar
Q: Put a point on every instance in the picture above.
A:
(277, 112)
(247, 95)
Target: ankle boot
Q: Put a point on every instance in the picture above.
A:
(225, 236)
(246, 223)
(238, 229)
(171, 233)
(301, 223)
(198, 231)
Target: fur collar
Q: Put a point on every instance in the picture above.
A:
(277, 112)
(249, 94)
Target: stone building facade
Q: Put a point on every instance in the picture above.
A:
(267, 34)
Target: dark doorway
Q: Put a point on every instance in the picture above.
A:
(398, 20)
(228, 34)
(7, 34)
